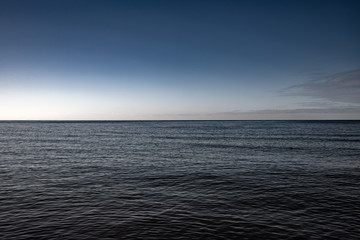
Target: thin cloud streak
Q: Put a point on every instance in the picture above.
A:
(349, 112)
(342, 87)
(300, 110)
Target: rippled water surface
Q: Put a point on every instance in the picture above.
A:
(180, 180)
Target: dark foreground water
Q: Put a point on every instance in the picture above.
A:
(180, 180)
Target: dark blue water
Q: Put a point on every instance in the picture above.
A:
(180, 180)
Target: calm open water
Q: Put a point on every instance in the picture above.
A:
(180, 180)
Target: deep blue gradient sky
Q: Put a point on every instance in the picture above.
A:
(179, 59)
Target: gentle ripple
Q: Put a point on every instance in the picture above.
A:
(180, 180)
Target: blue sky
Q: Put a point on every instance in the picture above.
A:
(129, 60)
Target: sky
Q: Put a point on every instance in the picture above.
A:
(179, 60)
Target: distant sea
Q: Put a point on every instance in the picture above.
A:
(180, 180)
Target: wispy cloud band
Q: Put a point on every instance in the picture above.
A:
(342, 87)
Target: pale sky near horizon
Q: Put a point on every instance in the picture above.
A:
(139, 60)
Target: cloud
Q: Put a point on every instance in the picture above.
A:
(335, 110)
(344, 112)
(295, 112)
(334, 97)
(342, 87)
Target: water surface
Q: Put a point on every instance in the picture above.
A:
(180, 180)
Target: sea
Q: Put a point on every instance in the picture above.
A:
(179, 180)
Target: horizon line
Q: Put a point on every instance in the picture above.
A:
(176, 120)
